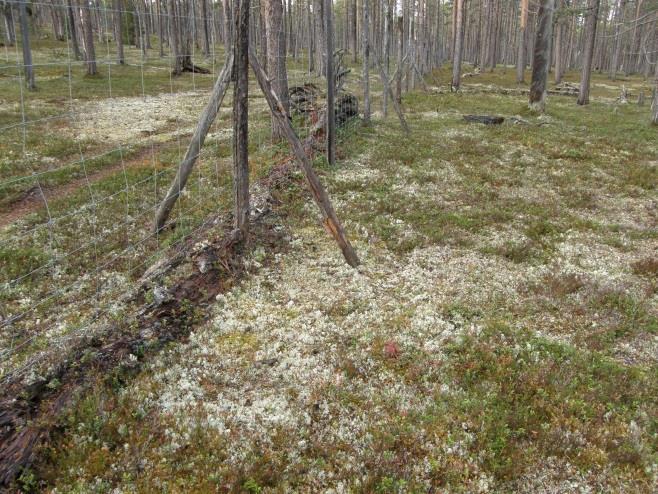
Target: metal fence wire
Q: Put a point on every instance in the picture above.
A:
(85, 160)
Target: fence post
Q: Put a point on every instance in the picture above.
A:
(331, 82)
(241, 119)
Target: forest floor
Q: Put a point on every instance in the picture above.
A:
(501, 334)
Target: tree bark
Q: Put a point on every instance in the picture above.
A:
(276, 56)
(654, 105)
(540, 60)
(10, 30)
(520, 59)
(459, 41)
(241, 119)
(118, 30)
(592, 21)
(27, 49)
(366, 63)
(88, 30)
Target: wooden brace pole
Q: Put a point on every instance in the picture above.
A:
(185, 169)
(330, 220)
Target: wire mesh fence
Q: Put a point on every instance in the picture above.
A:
(86, 160)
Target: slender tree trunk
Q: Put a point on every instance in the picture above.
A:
(459, 41)
(88, 30)
(387, 49)
(520, 59)
(592, 21)
(353, 29)
(241, 119)
(228, 26)
(398, 79)
(654, 105)
(9, 24)
(73, 35)
(540, 60)
(276, 56)
(206, 30)
(558, 49)
(27, 49)
(118, 30)
(366, 62)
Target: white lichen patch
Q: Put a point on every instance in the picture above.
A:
(127, 119)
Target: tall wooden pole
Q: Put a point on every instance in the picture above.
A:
(331, 82)
(27, 50)
(241, 118)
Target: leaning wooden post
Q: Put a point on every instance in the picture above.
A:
(185, 169)
(241, 119)
(331, 81)
(330, 220)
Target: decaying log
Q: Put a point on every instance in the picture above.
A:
(330, 220)
(30, 411)
(484, 119)
(195, 69)
(303, 98)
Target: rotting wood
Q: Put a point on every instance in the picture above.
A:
(30, 411)
(484, 119)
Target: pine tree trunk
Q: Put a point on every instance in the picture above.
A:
(118, 30)
(521, 59)
(540, 59)
(366, 62)
(459, 41)
(88, 30)
(654, 106)
(592, 21)
(10, 30)
(276, 56)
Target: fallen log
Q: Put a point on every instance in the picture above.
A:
(30, 411)
(484, 119)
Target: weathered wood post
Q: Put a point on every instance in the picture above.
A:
(194, 149)
(329, 218)
(331, 82)
(241, 119)
(27, 50)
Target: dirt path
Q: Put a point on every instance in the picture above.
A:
(32, 200)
